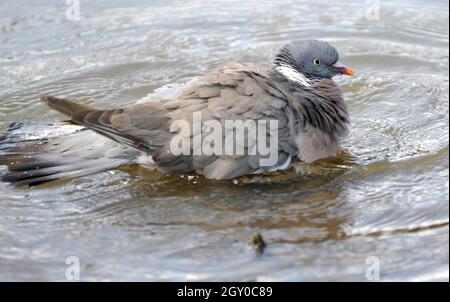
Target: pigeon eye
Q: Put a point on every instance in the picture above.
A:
(316, 61)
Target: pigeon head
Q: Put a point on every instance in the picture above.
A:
(309, 59)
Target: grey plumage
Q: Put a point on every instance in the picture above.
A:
(58, 151)
(307, 104)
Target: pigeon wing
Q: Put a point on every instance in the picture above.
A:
(241, 92)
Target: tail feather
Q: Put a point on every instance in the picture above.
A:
(35, 176)
(36, 153)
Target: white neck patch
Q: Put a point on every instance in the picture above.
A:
(293, 75)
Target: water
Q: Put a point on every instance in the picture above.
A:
(384, 195)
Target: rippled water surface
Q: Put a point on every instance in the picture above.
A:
(384, 195)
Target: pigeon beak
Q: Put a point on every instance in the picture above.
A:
(342, 69)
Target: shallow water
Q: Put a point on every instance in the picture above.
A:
(384, 195)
